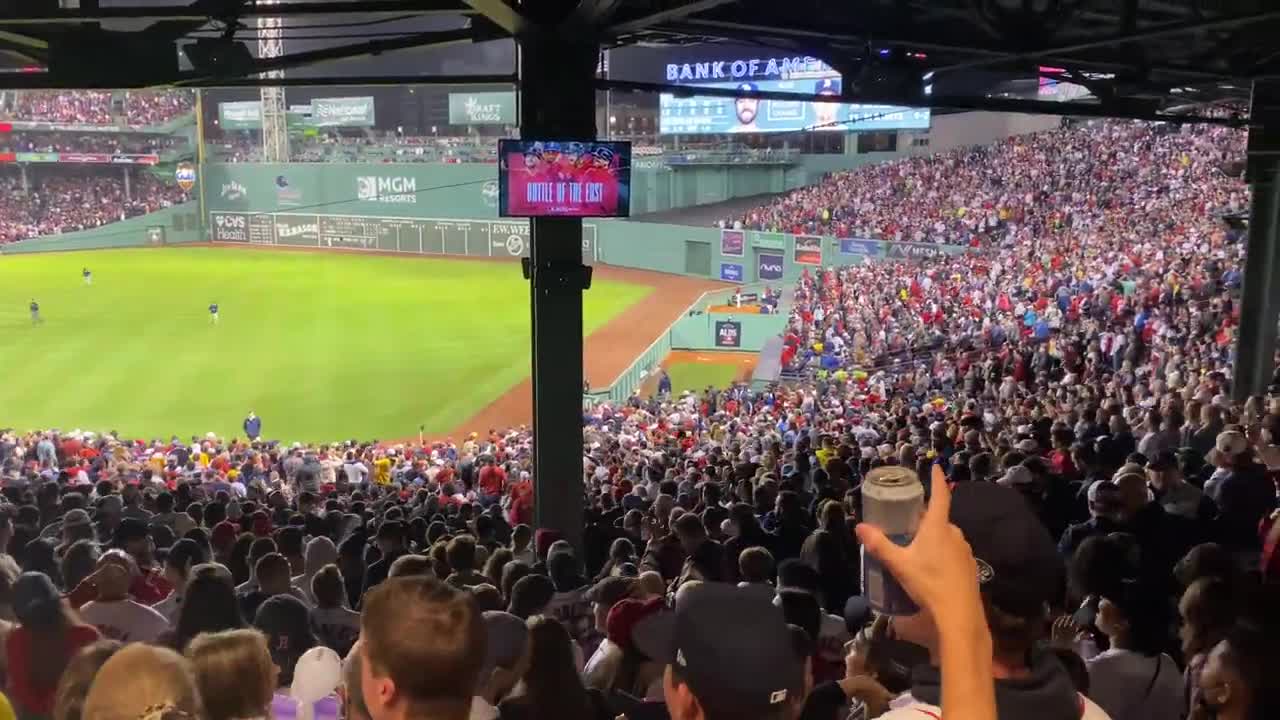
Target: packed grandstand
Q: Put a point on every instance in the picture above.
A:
(1070, 375)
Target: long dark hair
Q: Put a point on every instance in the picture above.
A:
(554, 691)
(208, 605)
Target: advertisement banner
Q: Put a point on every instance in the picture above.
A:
(297, 229)
(859, 246)
(83, 158)
(342, 112)
(728, 333)
(808, 250)
(229, 227)
(913, 251)
(185, 175)
(770, 241)
(131, 159)
(731, 272)
(241, 115)
(770, 266)
(732, 242)
(564, 179)
(8, 157)
(36, 157)
(483, 108)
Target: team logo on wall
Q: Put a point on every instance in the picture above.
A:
(286, 194)
(515, 245)
(490, 193)
(233, 191)
(185, 174)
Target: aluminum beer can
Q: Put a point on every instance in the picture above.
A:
(892, 500)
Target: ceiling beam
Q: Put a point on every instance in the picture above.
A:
(948, 102)
(1159, 32)
(252, 10)
(677, 12)
(501, 14)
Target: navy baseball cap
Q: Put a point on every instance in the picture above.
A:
(826, 86)
(1019, 568)
(730, 645)
(748, 87)
(604, 152)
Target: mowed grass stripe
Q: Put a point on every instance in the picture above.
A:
(322, 346)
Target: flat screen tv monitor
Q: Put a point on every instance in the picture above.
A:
(549, 178)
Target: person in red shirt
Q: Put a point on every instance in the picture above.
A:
(493, 479)
(38, 650)
(521, 511)
(149, 587)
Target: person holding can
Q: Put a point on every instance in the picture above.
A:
(987, 532)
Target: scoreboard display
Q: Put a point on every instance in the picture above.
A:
(538, 178)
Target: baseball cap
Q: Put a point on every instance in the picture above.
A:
(1016, 475)
(731, 647)
(1019, 568)
(224, 534)
(1228, 445)
(625, 615)
(1164, 460)
(35, 599)
(748, 87)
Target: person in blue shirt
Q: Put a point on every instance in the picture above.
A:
(664, 384)
(253, 426)
(88, 276)
(35, 313)
(213, 313)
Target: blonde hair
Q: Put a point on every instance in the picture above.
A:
(73, 686)
(234, 672)
(144, 682)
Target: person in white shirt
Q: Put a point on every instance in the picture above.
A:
(1134, 680)
(113, 613)
(336, 626)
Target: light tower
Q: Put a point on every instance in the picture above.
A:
(275, 131)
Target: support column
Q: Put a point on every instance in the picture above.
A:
(128, 186)
(557, 102)
(1260, 302)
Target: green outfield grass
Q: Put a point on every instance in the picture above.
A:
(698, 376)
(321, 346)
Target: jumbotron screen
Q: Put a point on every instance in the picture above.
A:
(708, 115)
(541, 178)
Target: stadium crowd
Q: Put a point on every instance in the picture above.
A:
(1101, 539)
(61, 199)
(141, 108)
(49, 142)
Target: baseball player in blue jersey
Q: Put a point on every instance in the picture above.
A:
(35, 313)
(88, 276)
(213, 313)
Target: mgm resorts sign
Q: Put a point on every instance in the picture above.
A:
(395, 189)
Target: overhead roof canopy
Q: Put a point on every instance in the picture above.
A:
(1138, 58)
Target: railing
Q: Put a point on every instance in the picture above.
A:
(644, 364)
(651, 359)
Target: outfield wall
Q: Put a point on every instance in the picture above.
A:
(178, 224)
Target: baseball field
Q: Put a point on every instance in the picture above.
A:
(322, 346)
